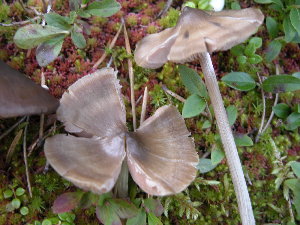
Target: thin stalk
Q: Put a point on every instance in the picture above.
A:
(131, 78)
(144, 106)
(272, 113)
(234, 163)
(25, 158)
(12, 127)
(111, 45)
(264, 110)
(168, 91)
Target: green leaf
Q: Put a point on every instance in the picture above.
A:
(272, 26)
(82, 13)
(153, 220)
(297, 75)
(66, 202)
(8, 193)
(295, 19)
(140, 219)
(16, 203)
(231, 114)
(205, 165)
(273, 50)
(78, 39)
(296, 168)
(33, 35)
(281, 83)
(293, 121)
(20, 191)
(278, 3)
(254, 59)
(46, 222)
(206, 124)
(217, 155)
(192, 81)
(48, 51)
(235, 6)
(107, 215)
(241, 59)
(263, 1)
(193, 106)
(289, 30)
(237, 50)
(250, 49)
(24, 211)
(282, 110)
(239, 81)
(105, 8)
(123, 208)
(242, 140)
(256, 41)
(55, 20)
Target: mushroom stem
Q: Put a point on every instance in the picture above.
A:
(235, 167)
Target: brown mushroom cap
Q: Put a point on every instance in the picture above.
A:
(160, 154)
(20, 96)
(196, 32)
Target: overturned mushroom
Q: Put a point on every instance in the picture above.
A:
(20, 96)
(161, 156)
(197, 34)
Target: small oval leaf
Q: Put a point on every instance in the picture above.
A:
(281, 83)
(239, 81)
(193, 106)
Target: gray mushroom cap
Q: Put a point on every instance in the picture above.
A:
(196, 32)
(20, 96)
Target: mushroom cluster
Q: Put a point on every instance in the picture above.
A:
(19, 96)
(161, 156)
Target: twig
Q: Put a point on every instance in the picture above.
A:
(272, 113)
(47, 11)
(42, 118)
(19, 23)
(275, 103)
(109, 62)
(165, 9)
(25, 158)
(264, 110)
(138, 100)
(291, 210)
(168, 91)
(12, 127)
(39, 141)
(144, 105)
(131, 78)
(13, 145)
(111, 45)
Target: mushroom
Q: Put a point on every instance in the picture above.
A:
(161, 156)
(197, 34)
(20, 96)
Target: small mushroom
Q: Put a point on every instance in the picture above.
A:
(20, 96)
(161, 156)
(197, 34)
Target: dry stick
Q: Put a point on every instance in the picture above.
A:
(25, 158)
(111, 45)
(264, 110)
(275, 103)
(165, 9)
(272, 114)
(235, 167)
(131, 78)
(144, 105)
(12, 146)
(42, 118)
(12, 127)
(19, 23)
(168, 91)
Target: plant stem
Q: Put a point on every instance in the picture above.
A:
(264, 110)
(144, 106)
(25, 158)
(235, 167)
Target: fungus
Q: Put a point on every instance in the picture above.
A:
(20, 96)
(161, 156)
(197, 34)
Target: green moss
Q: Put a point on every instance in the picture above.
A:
(170, 19)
